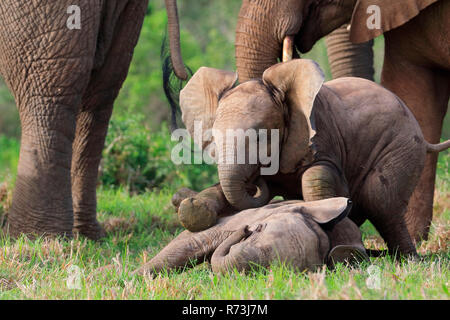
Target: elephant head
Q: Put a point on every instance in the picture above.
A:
(282, 102)
(263, 25)
(301, 234)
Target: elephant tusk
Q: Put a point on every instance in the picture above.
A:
(288, 48)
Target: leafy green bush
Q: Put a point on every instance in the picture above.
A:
(443, 170)
(140, 160)
(9, 156)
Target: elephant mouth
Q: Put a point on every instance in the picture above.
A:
(305, 38)
(254, 229)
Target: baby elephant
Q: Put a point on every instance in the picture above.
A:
(301, 234)
(347, 138)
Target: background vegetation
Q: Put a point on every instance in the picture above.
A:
(137, 180)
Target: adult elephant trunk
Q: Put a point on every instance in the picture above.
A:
(234, 179)
(348, 59)
(256, 47)
(223, 260)
(174, 39)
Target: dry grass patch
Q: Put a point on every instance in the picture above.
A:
(119, 224)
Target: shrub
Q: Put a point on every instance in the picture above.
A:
(9, 156)
(140, 160)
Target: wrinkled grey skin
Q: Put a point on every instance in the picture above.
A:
(348, 137)
(303, 235)
(416, 63)
(349, 59)
(64, 83)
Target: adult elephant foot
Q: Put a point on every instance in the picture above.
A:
(38, 213)
(93, 231)
(40, 205)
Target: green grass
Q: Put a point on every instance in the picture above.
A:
(138, 226)
(141, 225)
(9, 157)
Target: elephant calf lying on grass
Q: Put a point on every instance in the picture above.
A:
(300, 234)
(348, 137)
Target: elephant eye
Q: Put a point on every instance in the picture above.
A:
(258, 228)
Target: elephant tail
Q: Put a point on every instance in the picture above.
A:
(438, 147)
(172, 85)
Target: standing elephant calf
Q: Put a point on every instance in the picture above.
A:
(348, 138)
(301, 234)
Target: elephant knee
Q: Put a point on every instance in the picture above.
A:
(321, 182)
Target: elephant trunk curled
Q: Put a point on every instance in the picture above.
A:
(234, 179)
(223, 260)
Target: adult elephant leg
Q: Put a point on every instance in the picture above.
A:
(426, 92)
(348, 59)
(90, 136)
(47, 67)
(92, 122)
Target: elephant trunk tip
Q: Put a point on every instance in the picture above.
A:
(221, 260)
(180, 72)
(238, 196)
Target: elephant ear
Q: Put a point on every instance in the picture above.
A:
(326, 212)
(200, 97)
(299, 81)
(391, 15)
